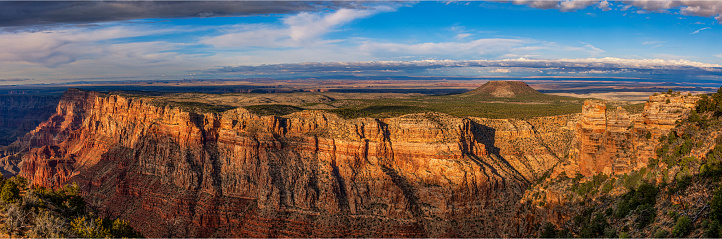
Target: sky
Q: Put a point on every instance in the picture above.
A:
(60, 42)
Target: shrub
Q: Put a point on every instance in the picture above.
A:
(652, 163)
(89, 228)
(672, 214)
(686, 161)
(645, 215)
(121, 229)
(15, 219)
(712, 229)
(705, 104)
(661, 150)
(594, 227)
(610, 232)
(663, 138)
(660, 233)
(716, 205)
(694, 117)
(681, 184)
(273, 109)
(671, 137)
(648, 135)
(683, 226)
(646, 194)
(48, 225)
(711, 169)
(608, 186)
(548, 231)
(10, 192)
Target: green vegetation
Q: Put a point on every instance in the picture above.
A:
(273, 109)
(463, 105)
(493, 100)
(641, 201)
(197, 107)
(680, 185)
(40, 212)
(590, 187)
(592, 225)
(716, 205)
(634, 108)
(10, 192)
(682, 227)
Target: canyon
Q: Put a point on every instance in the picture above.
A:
(20, 114)
(178, 173)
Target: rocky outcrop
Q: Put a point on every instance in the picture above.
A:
(615, 142)
(306, 174)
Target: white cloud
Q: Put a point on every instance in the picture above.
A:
(701, 29)
(63, 46)
(558, 66)
(252, 36)
(302, 29)
(564, 5)
(309, 26)
(501, 70)
(573, 5)
(604, 5)
(654, 5)
(686, 7)
(703, 8)
(718, 55)
(538, 4)
(592, 49)
(479, 47)
(462, 35)
(652, 42)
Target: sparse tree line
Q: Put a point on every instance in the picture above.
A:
(31, 211)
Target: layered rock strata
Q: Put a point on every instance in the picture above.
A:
(313, 174)
(616, 142)
(310, 173)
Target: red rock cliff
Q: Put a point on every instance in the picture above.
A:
(614, 141)
(236, 174)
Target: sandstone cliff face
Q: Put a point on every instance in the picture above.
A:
(615, 142)
(311, 173)
(175, 173)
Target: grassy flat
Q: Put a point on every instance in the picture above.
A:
(495, 99)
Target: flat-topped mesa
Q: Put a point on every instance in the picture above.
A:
(504, 89)
(615, 142)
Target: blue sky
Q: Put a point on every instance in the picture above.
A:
(70, 41)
